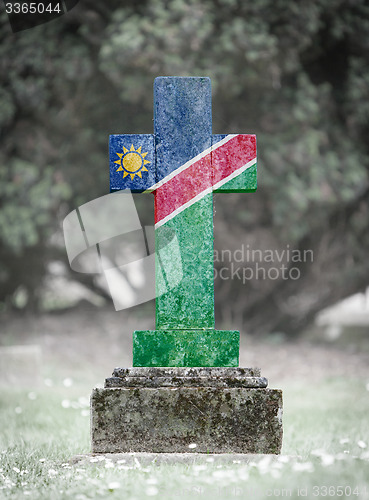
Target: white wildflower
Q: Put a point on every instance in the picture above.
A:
(67, 382)
(361, 444)
(83, 401)
(200, 467)
(114, 485)
(192, 446)
(303, 467)
(152, 491)
(327, 460)
(275, 473)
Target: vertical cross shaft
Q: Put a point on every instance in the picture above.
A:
(183, 127)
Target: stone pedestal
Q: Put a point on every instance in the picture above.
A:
(165, 410)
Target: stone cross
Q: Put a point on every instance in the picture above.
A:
(183, 164)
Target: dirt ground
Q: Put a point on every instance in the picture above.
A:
(86, 343)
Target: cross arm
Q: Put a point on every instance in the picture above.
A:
(132, 162)
(234, 164)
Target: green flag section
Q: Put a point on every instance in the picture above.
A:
(186, 348)
(246, 182)
(191, 304)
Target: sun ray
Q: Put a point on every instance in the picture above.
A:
(139, 150)
(125, 150)
(125, 174)
(132, 148)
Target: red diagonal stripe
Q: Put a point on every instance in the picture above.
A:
(183, 187)
(233, 155)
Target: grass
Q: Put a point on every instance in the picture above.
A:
(325, 451)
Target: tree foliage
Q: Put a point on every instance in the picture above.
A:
(294, 73)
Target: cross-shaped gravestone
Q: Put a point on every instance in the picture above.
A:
(182, 163)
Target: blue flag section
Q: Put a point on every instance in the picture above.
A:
(132, 162)
(182, 120)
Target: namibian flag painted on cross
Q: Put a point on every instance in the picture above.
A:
(183, 163)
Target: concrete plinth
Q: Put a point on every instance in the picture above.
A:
(165, 410)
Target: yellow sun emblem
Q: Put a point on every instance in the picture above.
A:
(132, 162)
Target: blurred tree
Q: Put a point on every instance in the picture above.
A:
(296, 74)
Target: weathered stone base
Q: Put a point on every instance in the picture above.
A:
(215, 416)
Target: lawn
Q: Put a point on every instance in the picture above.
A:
(325, 451)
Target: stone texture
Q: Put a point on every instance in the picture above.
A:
(189, 377)
(251, 382)
(217, 420)
(198, 371)
(185, 348)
